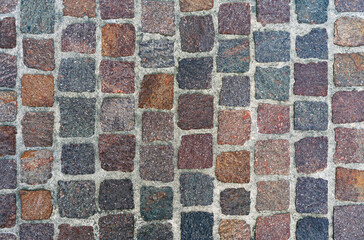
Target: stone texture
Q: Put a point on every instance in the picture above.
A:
(195, 73)
(311, 195)
(156, 91)
(348, 222)
(7, 236)
(155, 231)
(80, 38)
(37, 90)
(195, 152)
(117, 76)
(8, 174)
(235, 201)
(8, 7)
(272, 157)
(79, 8)
(234, 127)
(310, 79)
(273, 227)
(39, 53)
(36, 205)
(195, 111)
(197, 33)
(156, 53)
(37, 16)
(311, 154)
(8, 70)
(158, 17)
(231, 229)
(36, 167)
(113, 9)
(273, 119)
(7, 140)
(119, 226)
(272, 83)
(39, 231)
(78, 159)
(117, 114)
(313, 44)
(233, 56)
(195, 5)
(349, 185)
(196, 189)
(77, 75)
(156, 203)
(157, 126)
(118, 40)
(116, 194)
(349, 145)
(310, 116)
(349, 69)
(347, 107)
(349, 5)
(156, 163)
(68, 232)
(7, 33)
(233, 167)
(272, 196)
(234, 18)
(196, 225)
(8, 106)
(235, 91)
(76, 199)
(77, 117)
(312, 11)
(116, 152)
(7, 210)
(272, 11)
(38, 129)
(312, 228)
(272, 46)
(349, 32)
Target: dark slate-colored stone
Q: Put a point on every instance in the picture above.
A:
(80, 38)
(156, 53)
(313, 44)
(235, 201)
(348, 222)
(7, 33)
(196, 225)
(77, 117)
(156, 203)
(77, 75)
(310, 115)
(119, 226)
(195, 73)
(272, 46)
(7, 140)
(8, 174)
(76, 199)
(8, 70)
(311, 195)
(311, 154)
(7, 210)
(310, 79)
(78, 159)
(276, 11)
(235, 91)
(311, 11)
(116, 194)
(39, 231)
(272, 83)
(196, 189)
(7, 236)
(312, 228)
(37, 16)
(68, 232)
(346, 70)
(233, 56)
(155, 231)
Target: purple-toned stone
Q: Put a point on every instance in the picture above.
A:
(80, 38)
(7, 33)
(311, 154)
(8, 70)
(8, 174)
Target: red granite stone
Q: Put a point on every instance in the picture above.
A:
(269, 11)
(348, 222)
(310, 79)
(117, 76)
(38, 129)
(273, 227)
(80, 38)
(272, 196)
(349, 69)
(347, 107)
(233, 167)
(118, 40)
(7, 140)
(39, 53)
(273, 119)
(232, 229)
(349, 145)
(349, 32)
(37, 90)
(234, 127)
(7, 33)
(79, 8)
(349, 184)
(195, 5)
(234, 18)
(157, 126)
(113, 9)
(7, 210)
(68, 232)
(8, 106)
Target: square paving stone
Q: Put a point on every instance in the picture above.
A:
(273, 227)
(311, 154)
(78, 159)
(349, 5)
(311, 195)
(195, 111)
(232, 229)
(349, 184)
(8, 70)
(349, 145)
(77, 117)
(155, 231)
(7, 33)
(346, 70)
(39, 54)
(233, 167)
(38, 129)
(7, 236)
(272, 83)
(156, 53)
(195, 73)
(235, 91)
(273, 11)
(234, 18)
(349, 32)
(79, 38)
(76, 199)
(7, 210)
(348, 222)
(7, 140)
(156, 203)
(310, 79)
(273, 119)
(233, 56)
(234, 127)
(158, 17)
(8, 173)
(117, 114)
(36, 204)
(195, 5)
(347, 107)
(77, 75)
(196, 225)
(8, 6)
(197, 33)
(117, 152)
(313, 44)
(272, 196)
(36, 167)
(157, 126)
(312, 228)
(114, 9)
(67, 232)
(119, 226)
(115, 46)
(37, 16)
(116, 194)
(313, 12)
(117, 76)
(156, 163)
(37, 90)
(196, 189)
(8, 106)
(310, 116)
(79, 8)
(235, 201)
(272, 46)
(39, 231)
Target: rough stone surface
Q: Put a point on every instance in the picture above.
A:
(117, 76)
(195, 73)
(313, 44)
(156, 53)
(79, 37)
(195, 5)
(273, 11)
(7, 236)
(234, 18)
(156, 203)
(113, 9)
(347, 107)
(119, 226)
(118, 40)
(157, 126)
(234, 127)
(36, 167)
(8, 7)
(349, 5)
(155, 231)
(79, 8)
(310, 116)
(7, 140)
(349, 69)
(235, 91)
(39, 54)
(196, 225)
(38, 129)
(233, 167)
(349, 32)
(7, 33)
(311, 154)
(272, 46)
(8, 106)
(310, 79)
(78, 159)
(349, 145)
(235, 201)
(39, 231)
(312, 12)
(231, 229)
(116, 194)
(272, 196)
(36, 205)
(273, 119)
(7, 210)
(312, 228)
(68, 232)
(196, 189)
(233, 56)
(37, 90)
(8, 70)
(273, 227)
(348, 222)
(8, 174)
(37, 16)
(311, 195)
(349, 184)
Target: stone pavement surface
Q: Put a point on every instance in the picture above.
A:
(181, 119)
